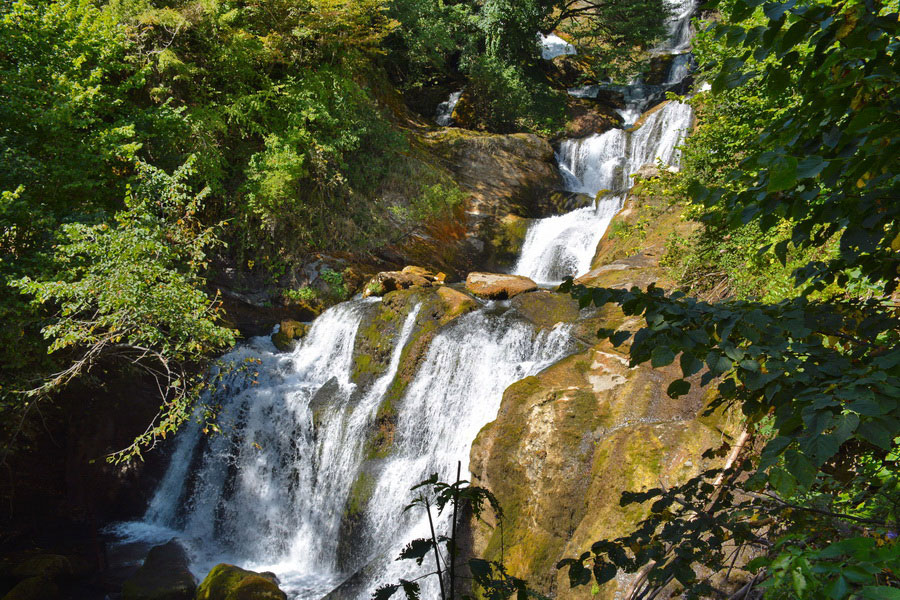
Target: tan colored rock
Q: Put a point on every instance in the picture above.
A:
(587, 117)
(503, 173)
(288, 333)
(546, 309)
(388, 281)
(566, 443)
(498, 286)
(456, 303)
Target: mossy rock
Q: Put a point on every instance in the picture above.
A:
(455, 304)
(34, 588)
(506, 240)
(546, 309)
(228, 582)
(163, 576)
(256, 587)
(288, 333)
(52, 566)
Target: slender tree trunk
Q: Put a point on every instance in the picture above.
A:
(437, 555)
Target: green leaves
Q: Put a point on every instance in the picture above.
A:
(782, 174)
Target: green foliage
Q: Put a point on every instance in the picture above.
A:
(432, 35)
(813, 364)
(490, 578)
(507, 97)
(132, 291)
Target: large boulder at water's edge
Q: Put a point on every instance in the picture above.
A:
(289, 331)
(498, 286)
(228, 582)
(163, 576)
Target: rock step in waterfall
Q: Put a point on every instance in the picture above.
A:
(318, 447)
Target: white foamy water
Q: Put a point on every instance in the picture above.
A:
(274, 489)
(598, 165)
(552, 46)
(270, 492)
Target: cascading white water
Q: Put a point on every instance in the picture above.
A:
(552, 46)
(564, 245)
(270, 491)
(455, 393)
(444, 113)
(601, 165)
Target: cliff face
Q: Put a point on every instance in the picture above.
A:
(567, 442)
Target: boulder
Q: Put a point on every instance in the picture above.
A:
(288, 333)
(423, 272)
(34, 588)
(456, 303)
(388, 281)
(503, 174)
(163, 576)
(52, 566)
(498, 286)
(587, 117)
(546, 309)
(228, 582)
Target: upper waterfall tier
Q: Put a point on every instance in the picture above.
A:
(564, 245)
(606, 161)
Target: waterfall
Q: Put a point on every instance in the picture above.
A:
(564, 245)
(444, 114)
(270, 491)
(552, 46)
(601, 165)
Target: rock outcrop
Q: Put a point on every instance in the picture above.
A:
(410, 276)
(228, 582)
(505, 174)
(163, 576)
(567, 442)
(289, 331)
(498, 286)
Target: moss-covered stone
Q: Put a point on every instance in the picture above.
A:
(546, 309)
(455, 304)
(52, 566)
(34, 588)
(256, 587)
(289, 331)
(507, 238)
(163, 576)
(360, 494)
(228, 582)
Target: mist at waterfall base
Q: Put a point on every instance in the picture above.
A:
(271, 490)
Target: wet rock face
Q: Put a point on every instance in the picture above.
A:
(163, 576)
(505, 174)
(587, 117)
(497, 286)
(566, 444)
